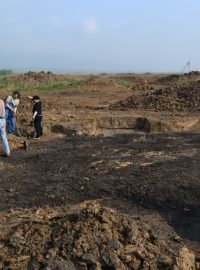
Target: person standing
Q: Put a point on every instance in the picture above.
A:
(3, 137)
(12, 103)
(37, 116)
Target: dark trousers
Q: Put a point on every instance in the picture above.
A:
(38, 126)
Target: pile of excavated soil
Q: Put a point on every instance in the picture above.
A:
(135, 82)
(169, 99)
(178, 78)
(130, 78)
(37, 78)
(170, 79)
(92, 237)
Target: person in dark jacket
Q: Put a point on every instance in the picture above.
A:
(37, 116)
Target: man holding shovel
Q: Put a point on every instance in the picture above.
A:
(12, 103)
(3, 137)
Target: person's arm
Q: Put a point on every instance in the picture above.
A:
(34, 115)
(7, 104)
(14, 110)
(35, 110)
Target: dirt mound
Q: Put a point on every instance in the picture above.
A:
(170, 79)
(38, 78)
(169, 99)
(178, 79)
(135, 82)
(195, 73)
(92, 237)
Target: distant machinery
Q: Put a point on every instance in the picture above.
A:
(187, 68)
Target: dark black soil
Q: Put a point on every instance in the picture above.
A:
(157, 173)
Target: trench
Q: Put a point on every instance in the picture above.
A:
(113, 125)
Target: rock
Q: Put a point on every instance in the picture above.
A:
(52, 252)
(145, 265)
(11, 190)
(197, 265)
(175, 267)
(115, 244)
(60, 264)
(90, 258)
(135, 264)
(177, 238)
(165, 260)
(127, 258)
(129, 249)
(186, 260)
(111, 259)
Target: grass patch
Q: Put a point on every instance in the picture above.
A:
(124, 84)
(60, 85)
(8, 84)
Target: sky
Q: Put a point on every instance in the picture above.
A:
(99, 35)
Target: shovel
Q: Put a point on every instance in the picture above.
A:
(23, 142)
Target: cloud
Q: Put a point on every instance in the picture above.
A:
(90, 25)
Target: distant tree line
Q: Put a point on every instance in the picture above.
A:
(5, 72)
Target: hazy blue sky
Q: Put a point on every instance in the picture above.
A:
(99, 35)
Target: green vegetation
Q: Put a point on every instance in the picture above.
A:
(4, 72)
(125, 84)
(9, 84)
(60, 85)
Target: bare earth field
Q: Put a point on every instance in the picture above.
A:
(115, 181)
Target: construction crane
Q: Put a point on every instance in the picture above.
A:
(187, 67)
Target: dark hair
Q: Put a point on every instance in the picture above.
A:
(16, 93)
(36, 98)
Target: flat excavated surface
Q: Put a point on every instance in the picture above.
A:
(156, 173)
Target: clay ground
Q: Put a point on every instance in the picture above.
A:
(154, 176)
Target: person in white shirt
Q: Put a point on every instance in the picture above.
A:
(12, 103)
